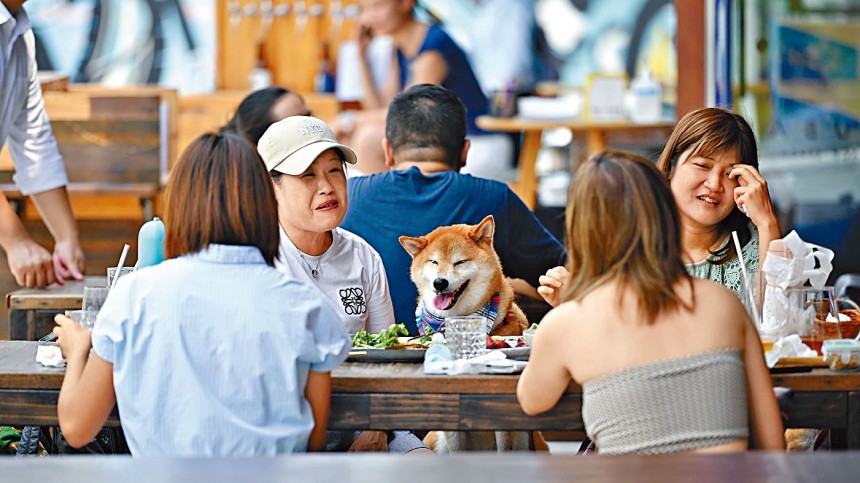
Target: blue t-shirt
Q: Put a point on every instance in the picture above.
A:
(460, 79)
(211, 353)
(384, 206)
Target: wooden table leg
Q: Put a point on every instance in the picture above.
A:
(526, 185)
(595, 141)
(18, 327)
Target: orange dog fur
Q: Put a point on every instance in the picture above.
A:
(457, 271)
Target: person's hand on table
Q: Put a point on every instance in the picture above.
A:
(370, 441)
(551, 285)
(72, 338)
(30, 263)
(69, 261)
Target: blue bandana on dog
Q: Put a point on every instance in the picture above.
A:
(428, 323)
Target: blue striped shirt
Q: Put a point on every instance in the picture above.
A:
(211, 353)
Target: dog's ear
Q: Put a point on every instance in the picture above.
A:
(413, 245)
(483, 231)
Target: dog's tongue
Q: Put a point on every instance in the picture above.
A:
(443, 300)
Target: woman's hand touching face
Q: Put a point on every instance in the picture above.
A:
(751, 195)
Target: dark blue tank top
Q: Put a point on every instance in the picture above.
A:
(460, 79)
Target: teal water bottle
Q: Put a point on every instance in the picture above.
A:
(150, 243)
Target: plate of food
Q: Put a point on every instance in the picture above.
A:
(389, 345)
(514, 347)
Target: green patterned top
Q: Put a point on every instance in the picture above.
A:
(729, 273)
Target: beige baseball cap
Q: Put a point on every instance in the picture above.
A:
(292, 144)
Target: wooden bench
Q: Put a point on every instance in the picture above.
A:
(114, 142)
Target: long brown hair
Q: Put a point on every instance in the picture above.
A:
(622, 224)
(713, 132)
(219, 192)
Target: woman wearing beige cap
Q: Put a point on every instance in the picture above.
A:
(308, 169)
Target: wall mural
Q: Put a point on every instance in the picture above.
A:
(128, 42)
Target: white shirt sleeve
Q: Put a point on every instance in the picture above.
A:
(38, 164)
(380, 311)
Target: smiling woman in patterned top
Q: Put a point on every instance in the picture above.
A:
(711, 162)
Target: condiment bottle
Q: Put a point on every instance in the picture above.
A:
(647, 98)
(150, 243)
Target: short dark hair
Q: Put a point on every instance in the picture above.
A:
(254, 114)
(427, 116)
(219, 192)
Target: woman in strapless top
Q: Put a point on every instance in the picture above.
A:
(667, 363)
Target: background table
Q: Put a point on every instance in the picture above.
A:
(390, 396)
(32, 310)
(595, 141)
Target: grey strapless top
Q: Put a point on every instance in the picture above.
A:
(668, 406)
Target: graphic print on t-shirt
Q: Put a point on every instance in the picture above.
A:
(353, 301)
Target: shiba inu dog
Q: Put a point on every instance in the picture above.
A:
(458, 273)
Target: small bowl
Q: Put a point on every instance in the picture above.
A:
(842, 354)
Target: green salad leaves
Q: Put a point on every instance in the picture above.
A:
(385, 338)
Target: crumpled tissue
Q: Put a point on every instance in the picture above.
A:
(50, 356)
(782, 273)
(790, 346)
(492, 362)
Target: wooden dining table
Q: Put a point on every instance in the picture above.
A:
(595, 140)
(398, 395)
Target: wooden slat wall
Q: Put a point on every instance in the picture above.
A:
(291, 49)
(110, 135)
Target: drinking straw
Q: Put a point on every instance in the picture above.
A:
(746, 278)
(119, 265)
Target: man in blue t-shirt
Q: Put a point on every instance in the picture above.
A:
(425, 145)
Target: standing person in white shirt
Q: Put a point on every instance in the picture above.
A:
(39, 168)
(502, 45)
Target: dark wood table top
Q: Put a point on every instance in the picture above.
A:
(514, 467)
(19, 370)
(56, 297)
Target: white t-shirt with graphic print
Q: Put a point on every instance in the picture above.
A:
(350, 274)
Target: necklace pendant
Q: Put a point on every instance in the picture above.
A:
(314, 272)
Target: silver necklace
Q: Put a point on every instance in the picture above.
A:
(314, 270)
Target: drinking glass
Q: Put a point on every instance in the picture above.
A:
(80, 316)
(808, 309)
(94, 298)
(466, 336)
(752, 297)
(111, 271)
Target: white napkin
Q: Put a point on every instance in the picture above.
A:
(790, 346)
(50, 356)
(492, 362)
(782, 273)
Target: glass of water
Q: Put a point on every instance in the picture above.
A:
(111, 272)
(466, 336)
(94, 298)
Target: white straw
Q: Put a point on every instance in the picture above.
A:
(746, 278)
(119, 265)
